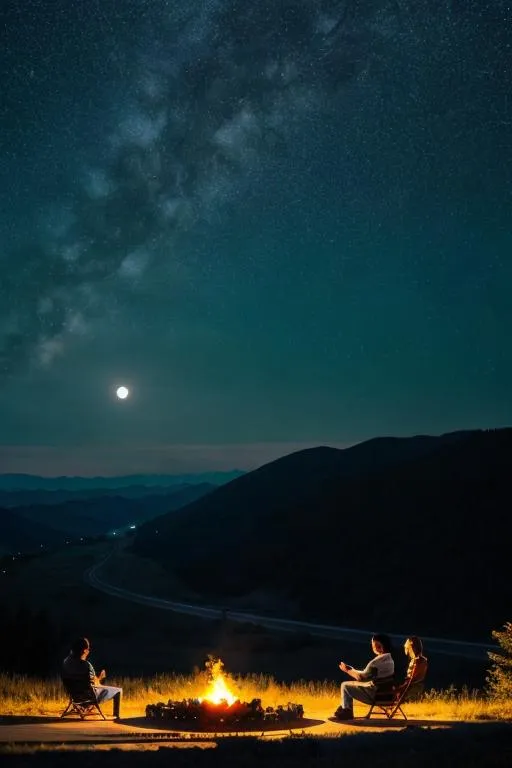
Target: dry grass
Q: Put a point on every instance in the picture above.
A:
(28, 696)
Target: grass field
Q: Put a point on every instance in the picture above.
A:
(21, 695)
(447, 729)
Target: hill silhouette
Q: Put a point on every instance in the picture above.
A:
(25, 527)
(407, 534)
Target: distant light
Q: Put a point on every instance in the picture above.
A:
(132, 527)
(122, 393)
(113, 533)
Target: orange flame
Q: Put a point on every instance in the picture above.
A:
(217, 690)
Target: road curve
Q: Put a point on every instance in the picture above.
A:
(438, 645)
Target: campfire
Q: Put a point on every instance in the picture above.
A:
(218, 708)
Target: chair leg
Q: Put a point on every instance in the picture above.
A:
(395, 709)
(66, 711)
(389, 710)
(92, 709)
(83, 711)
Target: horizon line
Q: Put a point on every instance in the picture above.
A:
(94, 461)
(114, 460)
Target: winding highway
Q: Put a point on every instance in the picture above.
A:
(464, 648)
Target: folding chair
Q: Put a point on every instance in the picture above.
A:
(389, 702)
(82, 698)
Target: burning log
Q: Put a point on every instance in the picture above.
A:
(206, 714)
(219, 708)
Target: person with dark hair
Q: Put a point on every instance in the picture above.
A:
(381, 668)
(77, 667)
(418, 664)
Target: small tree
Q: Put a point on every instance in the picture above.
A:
(499, 679)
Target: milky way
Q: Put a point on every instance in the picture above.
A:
(151, 127)
(218, 89)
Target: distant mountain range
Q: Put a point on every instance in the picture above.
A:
(22, 482)
(46, 511)
(393, 532)
(34, 520)
(22, 498)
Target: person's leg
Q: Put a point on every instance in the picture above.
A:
(364, 692)
(345, 710)
(117, 704)
(352, 690)
(106, 692)
(346, 696)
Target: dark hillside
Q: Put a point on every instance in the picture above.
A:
(409, 533)
(291, 480)
(101, 515)
(17, 535)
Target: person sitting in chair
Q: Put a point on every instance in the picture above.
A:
(76, 667)
(418, 665)
(381, 668)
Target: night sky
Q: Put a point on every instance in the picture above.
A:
(280, 223)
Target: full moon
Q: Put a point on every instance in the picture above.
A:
(122, 393)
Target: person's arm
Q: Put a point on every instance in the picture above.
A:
(409, 675)
(355, 673)
(417, 670)
(100, 678)
(369, 672)
(94, 678)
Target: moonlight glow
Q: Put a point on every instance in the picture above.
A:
(122, 393)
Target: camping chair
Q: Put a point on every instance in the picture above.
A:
(82, 698)
(388, 700)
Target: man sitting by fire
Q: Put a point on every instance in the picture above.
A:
(381, 668)
(77, 667)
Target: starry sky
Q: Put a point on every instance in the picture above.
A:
(280, 223)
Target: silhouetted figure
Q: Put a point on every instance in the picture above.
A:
(381, 668)
(418, 664)
(76, 667)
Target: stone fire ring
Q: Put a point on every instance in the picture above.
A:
(207, 716)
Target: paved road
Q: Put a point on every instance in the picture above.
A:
(459, 648)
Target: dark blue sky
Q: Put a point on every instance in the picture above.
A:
(279, 223)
